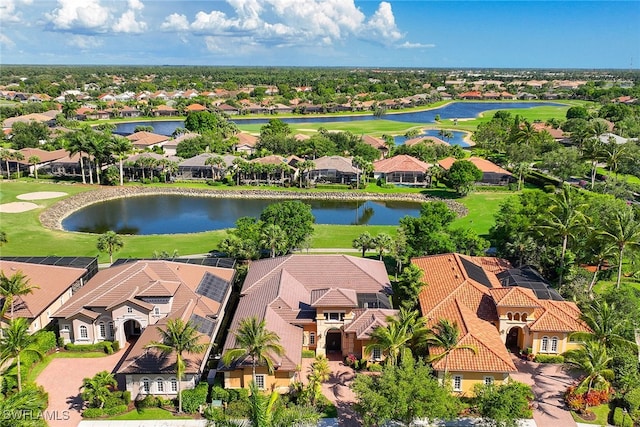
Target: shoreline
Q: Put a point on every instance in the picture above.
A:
(52, 217)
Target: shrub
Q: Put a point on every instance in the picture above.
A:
(308, 354)
(116, 410)
(375, 367)
(350, 360)
(116, 346)
(149, 401)
(632, 400)
(238, 409)
(60, 342)
(101, 346)
(194, 398)
(548, 358)
(108, 347)
(93, 413)
(620, 419)
(238, 394)
(46, 341)
(219, 393)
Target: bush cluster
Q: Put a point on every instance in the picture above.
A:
(620, 419)
(194, 398)
(308, 354)
(105, 346)
(548, 358)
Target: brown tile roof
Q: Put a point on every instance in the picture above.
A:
(427, 140)
(51, 282)
(558, 316)
(514, 296)
(271, 160)
(338, 163)
(195, 107)
(482, 164)
(334, 298)
(366, 320)
(377, 143)
(401, 163)
(146, 138)
(246, 139)
(45, 156)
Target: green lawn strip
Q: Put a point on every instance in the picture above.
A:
(541, 113)
(631, 179)
(37, 369)
(602, 415)
(342, 236)
(606, 285)
(148, 414)
(482, 209)
(357, 127)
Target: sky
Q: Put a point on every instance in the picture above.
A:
(373, 33)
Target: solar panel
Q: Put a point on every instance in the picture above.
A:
(203, 325)
(213, 287)
(528, 277)
(476, 272)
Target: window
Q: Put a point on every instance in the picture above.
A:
(159, 385)
(544, 345)
(457, 383)
(156, 311)
(102, 328)
(145, 385)
(312, 338)
(334, 317)
(260, 381)
(488, 380)
(112, 330)
(524, 317)
(377, 355)
(554, 345)
(65, 328)
(509, 316)
(516, 317)
(174, 385)
(129, 310)
(83, 332)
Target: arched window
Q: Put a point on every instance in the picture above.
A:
(554, 345)
(83, 332)
(524, 317)
(516, 317)
(174, 385)
(544, 345)
(112, 330)
(145, 385)
(160, 385)
(509, 316)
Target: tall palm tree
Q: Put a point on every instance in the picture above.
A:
(17, 156)
(12, 286)
(78, 143)
(272, 237)
(6, 155)
(217, 163)
(392, 340)
(564, 220)
(614, 152)
(526, 134)
(593, 360)
(414, 324)
(364, 242)
(178, 337)
(254, 340)
(623, 231)
(305, 166)
(607, 327)
(382, 242)
(34, 160)
(446, 336)
(110, 242)
(121, 147)
(96, 390)
(15, 341)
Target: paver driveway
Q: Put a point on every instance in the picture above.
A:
(62, 380)
(548, 383)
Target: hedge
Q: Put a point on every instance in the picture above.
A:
(548, 358)
(308, 354)
(632, 400)
(620, 419)
(93, 413)
(194, 398)
(105, 346)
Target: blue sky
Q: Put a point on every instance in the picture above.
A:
(501, 34)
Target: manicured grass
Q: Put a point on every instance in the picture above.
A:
(37, 369)
(358, 127)
(602, 415)
(542, 113)
(631, 179)
(148, 414)
(26, 236)
(605, 285)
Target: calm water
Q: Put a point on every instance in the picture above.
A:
(171, 214)
(453, 110)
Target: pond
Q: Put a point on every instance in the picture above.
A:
(172, 214)
(454, 110)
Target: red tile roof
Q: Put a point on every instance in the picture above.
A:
(483, 164)
(401, 163)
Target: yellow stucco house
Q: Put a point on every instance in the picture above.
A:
(497, 309)
(325, 303)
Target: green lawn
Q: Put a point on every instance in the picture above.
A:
(26, 236)
(631, 179)
(148, 414)
(602, 415)
(542, 113)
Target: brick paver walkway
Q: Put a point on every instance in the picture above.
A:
(62, 379)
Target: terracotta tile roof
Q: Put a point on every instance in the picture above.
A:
(146, 138)
(514, 296)
(270, 160)
(195, 107)
(45, 156)
(401, 163)
(366, 320)
(555, 133)
(558, 316)
(51, 282)
(341, 164)
(332, 297)
(482, 164)
(427, 140)
(246, 139)
(492, 264)
(377, 143)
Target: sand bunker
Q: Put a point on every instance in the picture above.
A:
(41, 195)
(17, 207)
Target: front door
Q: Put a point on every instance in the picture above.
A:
(334, 341)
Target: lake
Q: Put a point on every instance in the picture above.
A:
(172, 214)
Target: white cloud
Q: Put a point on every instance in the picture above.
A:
(128, 23)
(9, 10)
(136, 5)
(6, 41)
(287, 23)
(409, 45)
(83, 42)
(79, 15)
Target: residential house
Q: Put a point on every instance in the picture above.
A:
(491, 317)
(334, 169)
(126, 302)
(246, 143)
(165, 111)
(377, 143)
(45, 158)
(194, 108)
(326, 303)
(473, 94)
(491, 173)
(402, 169)
(143, 139)
(47, 118)
(54, 281)
(196, 167)
(426, 140)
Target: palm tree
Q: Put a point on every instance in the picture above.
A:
(217, 163)
(565, 220)
(525, 134)
(414, 324)
(607, 327)
(364, 242)
(614, 152)
(120, 147)
(34, 160)
(392, 340)
(6, 155)
(593, 360)
(409, 286)
(305, 166)
(78, 143)
(10, 287)
(382, 242)
(320, 372)
(96, 390)
(178, 337)
(15, 341)
(623, 232)
(255, 341)
(17, 156)
(272, 237)
(446, 336)
(22, 405)
(110, 242)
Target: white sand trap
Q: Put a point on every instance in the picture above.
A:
(41, 195)
(17, 207)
